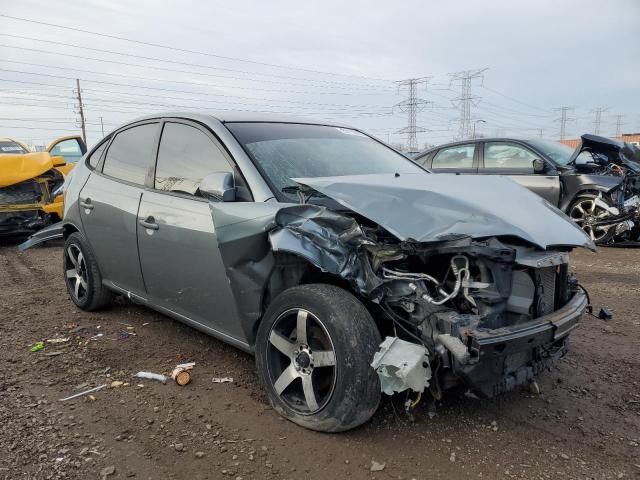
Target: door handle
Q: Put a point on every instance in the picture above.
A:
(149, 223)
(86, 204)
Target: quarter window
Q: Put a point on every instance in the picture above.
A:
(460, 156)
(185, 157)
(131, 153)
(94, 158)
(508, 156)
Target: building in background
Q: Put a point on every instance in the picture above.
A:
(632, 138)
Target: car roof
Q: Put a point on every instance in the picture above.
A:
(239, 116)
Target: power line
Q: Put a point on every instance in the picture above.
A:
(174, 70)
(184, 50)
(466, 100)
(412, 105)
(198, 65)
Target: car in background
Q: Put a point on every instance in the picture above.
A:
(307, 243)
(31, 183)
(587, 183)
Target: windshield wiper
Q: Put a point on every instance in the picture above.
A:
(303, 192)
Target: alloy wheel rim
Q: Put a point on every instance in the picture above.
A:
(301, 361)
(76, 272)
(585, 214)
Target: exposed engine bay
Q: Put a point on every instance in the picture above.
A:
(489, 314)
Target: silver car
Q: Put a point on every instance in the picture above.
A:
(344, 267)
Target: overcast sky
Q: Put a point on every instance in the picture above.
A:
(325, 59)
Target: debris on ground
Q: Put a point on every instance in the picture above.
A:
(118, 383)
(58, 340)
(376, 466)
(91, 390)
(152, 376)
(182, 373)
(106, 471)
(222, 380)
(36, 347)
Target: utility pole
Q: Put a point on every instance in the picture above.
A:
(412, 105)
(598, 118)
(102, 126)
(466, 99)
(80, 111)
(540, 132)
(619, 118)
(563, 119)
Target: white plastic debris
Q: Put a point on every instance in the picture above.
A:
(152, 376)
(222, 380)
(91, 390)
(402, 365)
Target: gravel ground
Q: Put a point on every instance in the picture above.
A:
(585, 423)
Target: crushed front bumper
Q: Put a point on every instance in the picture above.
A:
(506, 357)
(21, 222)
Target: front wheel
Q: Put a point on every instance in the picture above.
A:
(82, 275)
(313, 352)
(585, 211)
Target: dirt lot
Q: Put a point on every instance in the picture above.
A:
(585, 423)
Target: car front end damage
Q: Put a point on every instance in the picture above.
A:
(30, 196)
(465, 293)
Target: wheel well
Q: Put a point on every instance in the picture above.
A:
(67, 230)
(290, 270)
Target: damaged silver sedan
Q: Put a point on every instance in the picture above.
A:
(344, 267)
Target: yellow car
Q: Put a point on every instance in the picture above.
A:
(31, 183)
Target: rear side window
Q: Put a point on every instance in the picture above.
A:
(131, 153)
(185, 157)
(460, 156)
(94, 158)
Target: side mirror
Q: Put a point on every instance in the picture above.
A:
(220, 186)
(538, 166)
(58, 160)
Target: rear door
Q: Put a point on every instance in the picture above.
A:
(109, 204)
(516, 161)
(455, 159)
(181, 263)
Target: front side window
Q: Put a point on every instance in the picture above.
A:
(458, 157)
(69, 149)
(185, 157)
(132, 153)
(508, 156)
(287, 151)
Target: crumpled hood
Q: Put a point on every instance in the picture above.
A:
(18, 168)
(428, 208)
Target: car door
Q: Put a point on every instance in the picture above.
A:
(181, 263)
(70, 148)
(109, 204)
(515, 160)
(455, 159)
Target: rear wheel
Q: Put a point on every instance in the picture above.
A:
(313, 351)
(82, 275)
(585, 212)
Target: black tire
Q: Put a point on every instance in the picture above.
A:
(346, 393)
(600, 237)
(82, 275)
